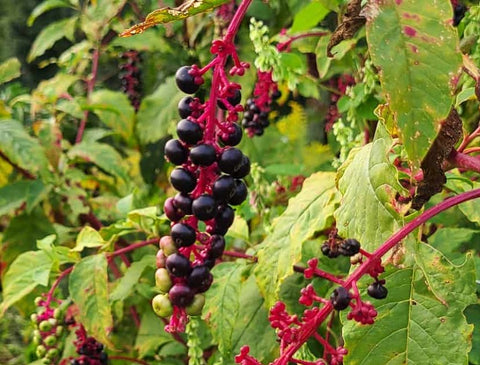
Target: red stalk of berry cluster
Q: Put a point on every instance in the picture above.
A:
(294, 331)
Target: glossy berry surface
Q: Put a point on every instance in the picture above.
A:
(349, 247)
(162, 306)
(189, 132)
(377, 290)
(200, 279)
(183, 235)
(175, 152)
(232, 138)
(184, 109)
(223, 188)
(240, 193)
(204, 207)
(171, 210)
(230, 160)
(225, 216)
(243, 169)
(217, 246)
(181, 295)
(185, 81)
(340, 298)
(183, 180)
(178, 265)
(183, 202)
(203, 155)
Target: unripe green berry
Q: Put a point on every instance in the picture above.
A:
(52, 354)
(37, 301)
(195, 309)
(36, 333)
(41, 351)
(162, 280)
(34, 318)
(58, 313)
(50, 340)
(37, 340)
(167, 245)
(46, 361)
(45, 326)
(162, 305)
(52, 321)
(59, 331)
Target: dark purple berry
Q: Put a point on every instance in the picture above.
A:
(203, 155)
(189, 132)
(183, 235)
(185, 81)
(184, 109)
(349, 247)
(377, 290)
(340, 298)
(243, 169)
(230, 160)
(330, 252)
(209, 262)
(181, 295)
(200, 279)
(176, 152)
(183, 180)
(171, 210)
(458, 14)
(183, 202)
(276, 94)
(217, 246)
(218, 229)
(234, 137)
(223, 188)
(204, 207)
(240, 193)
(225, 216)
(178, 265)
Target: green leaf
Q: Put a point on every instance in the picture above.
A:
(114, 109)
(30, 269)
(368, 183)
(239, 229)
(309, 212)
(9, 70)
(45, 6)
(158, 112)
(308, 17)
(50, 35)
(88, 237)
(413, 326)
(418, 55)
(473, 316)
(222, 304)
(151, 334)
(88, 289)
(465, 95)
(167, 14)
(126, 284)
(21, 149)
(102, 155)
(14, 195)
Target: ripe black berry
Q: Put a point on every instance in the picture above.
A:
(230, 160)
(171, 210)
(276, 94)
(183, 202)
(223, 188)
(181, 295)
(377, 290)
(204, 207)
(330, 252)
(182, 180)
(458, 14)
(349, 247)
(203, 155)
(233, 138)
(217, 246)
(189, 132)
(225, 216)
(175, 152)
(243, 169)
(185, 81)
(200, 279)
(178, 265)
(184, 109)
(240, 193)
(340, 298)
(183, 235)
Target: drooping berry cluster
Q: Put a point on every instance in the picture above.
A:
(130, 77)
(257, 108)
(90, 350)
(48, 334)
(208, 178)
(339, 84)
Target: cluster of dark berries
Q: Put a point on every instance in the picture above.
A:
(208, 178)
(348, 247)
(130, 77)
(459, 11)
(90, 350)
(340, 84)
(257, 108)
(48, 333)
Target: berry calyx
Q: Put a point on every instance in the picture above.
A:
(377, 290)
(185, 81)
(340, 298)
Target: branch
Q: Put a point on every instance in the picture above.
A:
(26, 174)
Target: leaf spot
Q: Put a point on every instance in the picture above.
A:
(409, 31)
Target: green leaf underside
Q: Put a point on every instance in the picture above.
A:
(418, 56)
(88, 288)
(167, 14)
(29, 269)
(9, 70)
(309, 212)
(366, 212)
(413, 326)
(45, 6)
(88, 237)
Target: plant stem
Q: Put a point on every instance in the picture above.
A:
(464, 161)
(132, 247)
(56, 282)
(24, 172)
(240, 255)
(285, 46)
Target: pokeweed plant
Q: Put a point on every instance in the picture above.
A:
(376, 123)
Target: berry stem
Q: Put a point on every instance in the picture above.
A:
(55, 284)
(285, 46)
(240, 255)
(464, 161)
(321, 274)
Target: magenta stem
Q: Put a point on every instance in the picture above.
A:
(464, 161)
(240, 255)
(286, 45)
